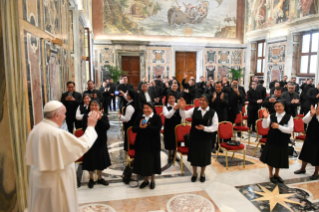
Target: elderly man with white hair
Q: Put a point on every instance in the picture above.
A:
(51, 153)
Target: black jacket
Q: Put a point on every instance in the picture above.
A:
(234, 101)
(311, 98)
(292, 108)
(305, 88)
(124, 88)
(190, 96)
(282, 84)
(270, 105)
(92, 92)
(142, 97)
(252, 97)
(272, 84)
(262, 91)
(71, 106)
(220, 106)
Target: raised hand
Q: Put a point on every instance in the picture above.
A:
(265, 113)
(259, 101)
(92, 119)
(121, 93)
(182, 103)
(214, 96)
(185, 75)
(312, 110)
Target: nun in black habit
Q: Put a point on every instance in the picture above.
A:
(83, 109)
(204, 124)
(172, 118)
(131, 112)
(147, 161)
(310, 149)
(97, 158)
(275, 151)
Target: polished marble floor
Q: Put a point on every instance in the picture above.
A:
(236, 189)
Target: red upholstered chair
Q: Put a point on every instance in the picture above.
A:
(298, 128)
(196, 102)
(159, 109)
(260, 113)
(131, 136)
(163, 122)
(164, 100)
(241, 128)
(225, 131)
(260, 131)
(180, 131)
(187, 108)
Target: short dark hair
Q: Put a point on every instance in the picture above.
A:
(159, 76)
(67, 84)
(91, 81)
(124, 76)
(218, 83)
(235, 79)
(293, 77)
(261, 81)
(278, 89)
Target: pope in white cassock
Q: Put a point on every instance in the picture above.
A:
(51, 153)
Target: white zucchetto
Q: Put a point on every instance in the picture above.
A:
(52, 105)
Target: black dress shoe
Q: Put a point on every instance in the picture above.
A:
(91, 183)
(144, 184)
(221, 151)
(202, 179)
(279, 179)
(103, 182)
(194, 178)
(314, 177)
(273, 180)
(79, 185)
(214, 150)
(300, 172)
(152, 186)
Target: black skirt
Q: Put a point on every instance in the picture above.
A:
(147, 163)
(275, 156)
(199, 153)
(310, 152)
(96, 158)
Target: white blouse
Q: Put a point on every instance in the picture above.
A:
(169, 114)
(308, 117)
(189, 113)
(129, 111)
(285, 129)
(78, 115)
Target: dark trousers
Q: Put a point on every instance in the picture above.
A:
(106, 104)
(252, 118)
(113, 102)
(70, 122)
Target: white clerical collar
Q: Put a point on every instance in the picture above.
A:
(168, 105)
(150, 116)
(201, 109)
(48, 121)
(86, 106)
(281, 114)
(129, 101)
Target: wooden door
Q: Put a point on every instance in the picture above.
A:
(131, 65)
(185, 63)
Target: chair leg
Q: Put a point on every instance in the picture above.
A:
(293, 143)
(256, 149)
(96, 177)
(217, 153)
(241, 135)
(182, 168)
(244, 158)
(226, 161)
(248, 137)
(233, 155)
(175, 157)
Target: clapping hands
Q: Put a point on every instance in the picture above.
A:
(265, 113)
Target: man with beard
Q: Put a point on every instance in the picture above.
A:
(219, 103)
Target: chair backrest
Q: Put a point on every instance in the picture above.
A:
(78, 133)
(196, 102)
(164, 100)
(123, 108)
(238, 119)
(163, 119)
(131, 136)
(298, 125)
(244, 109)
(180, 131)
(159, 109)
(260, 130)
(189, 107)
(260, 113)
(225, 130)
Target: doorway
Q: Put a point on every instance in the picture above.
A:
(185, 63)
(131, 65)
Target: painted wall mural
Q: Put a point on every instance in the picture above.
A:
(34, 69)
(266, 13)
(65, 68)
(107, 55)
(65, 20)
(53, 67)
(71, 32)
(51, 13)
(31, 12)
(171, 17)
(224, 57)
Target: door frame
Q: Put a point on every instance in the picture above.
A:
(199, 59)
(141, 54)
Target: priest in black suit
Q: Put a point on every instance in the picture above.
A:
(235, 98)
(254, 99)
(189, 90)
(95, 94)
(270, 101)
(144, 96)
(292, 100)
(209, 89)
(312, 99)
(71, 100)
(156, 92)
(140, 84)
(173, 90)
(283, 84)
(124, 87)
(262, 90)
(293, 81)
